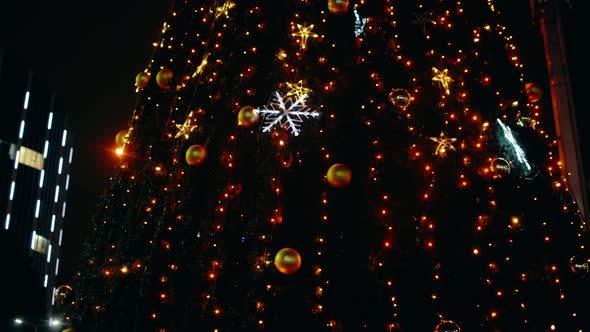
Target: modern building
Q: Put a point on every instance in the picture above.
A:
(35, 158)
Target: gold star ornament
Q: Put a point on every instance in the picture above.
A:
(305, 33)
(444, 143)
(186, 128)
(443, 79)
(297, 89)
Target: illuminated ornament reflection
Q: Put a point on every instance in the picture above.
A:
(164, 78)
(62, 294)
(122, 137)
(500, 167)
(247, 117)
(305, 33)
(285, 112)
(195, 155)
(447, 326)
(339, 175)
(444, 144)
(400, 98)
(443, 79)
(533, 92)
(142, 79)
(186, 128)
(287, 260)
(338, 7)
(580, 266)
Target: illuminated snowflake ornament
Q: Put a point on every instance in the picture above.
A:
(359, 24)
(286, 112)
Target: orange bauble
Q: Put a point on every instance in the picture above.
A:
(121, 137)
(339, 175)
(287, 261)
(533, 92)
(196, 155)
(247, 117)
(338, 7)
(164, 78)
(142, 79)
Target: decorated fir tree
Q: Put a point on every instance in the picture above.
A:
(336, 166)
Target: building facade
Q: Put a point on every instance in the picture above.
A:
(36, 154)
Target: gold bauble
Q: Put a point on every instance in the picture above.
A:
(68, 330)
(338, 7)
(247, 117)
(533, 92)
(447, 326)
(142, 79)
(196, 155)
(62, 293)
(400, 98)
(121, 137)
(164, 78)
(339, 175)
(287, 260)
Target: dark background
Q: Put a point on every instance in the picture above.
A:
(90, 52)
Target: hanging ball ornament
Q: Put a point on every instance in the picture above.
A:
(196, 155)
(400, 98)
(338, 7)
(339, 175)
(580, 265)
(142, 79)
(164, 78)
(500, 167)
(533, 92)
(447, 326)
(62, 294)
(287, 260)
(122, 137)
(247, 117)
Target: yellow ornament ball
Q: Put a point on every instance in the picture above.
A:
(339, 175)
(533, 92)
(247, 117)
(142, 79)
(164, 78)
(196, 155)
(122, 137)
(287, 261)
(338, 7)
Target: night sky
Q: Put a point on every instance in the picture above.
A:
(89, 53)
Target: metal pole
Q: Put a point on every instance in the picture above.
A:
(548, 16)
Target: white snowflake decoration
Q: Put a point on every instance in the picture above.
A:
(285, 112)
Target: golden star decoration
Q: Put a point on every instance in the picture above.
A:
(224, 10)
(186, 128)
(444, 143)
(443, 79)
(305, 33)
(297, 89)
(200, 68)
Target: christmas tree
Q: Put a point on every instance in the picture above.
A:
(336, 166)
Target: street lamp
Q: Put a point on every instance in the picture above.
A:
(54, 324)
